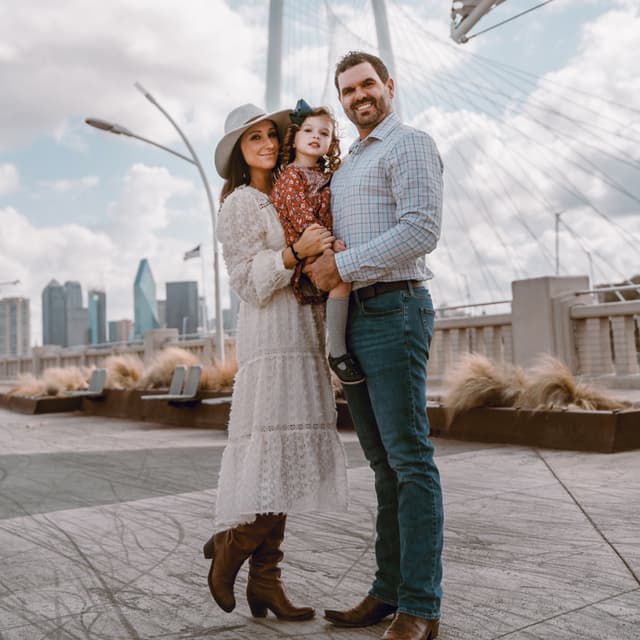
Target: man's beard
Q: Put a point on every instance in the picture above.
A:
(378, 109)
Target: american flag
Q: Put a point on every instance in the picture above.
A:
(193, 253)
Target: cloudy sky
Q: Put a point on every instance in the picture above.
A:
(537, 117)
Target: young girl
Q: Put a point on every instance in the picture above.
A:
(301, 196)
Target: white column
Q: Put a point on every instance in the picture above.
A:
(537, 329)
(274, 55)
(507, 343)
(624, 345)
(155, 340)
(384, 45)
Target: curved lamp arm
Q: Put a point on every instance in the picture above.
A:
(195, 160)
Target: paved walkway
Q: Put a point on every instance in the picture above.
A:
(101, 524)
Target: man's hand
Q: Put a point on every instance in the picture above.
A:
(323, 271)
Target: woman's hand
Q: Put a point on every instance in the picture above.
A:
(314, 240)
(339, 245)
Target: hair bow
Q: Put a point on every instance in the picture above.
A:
(301, 111)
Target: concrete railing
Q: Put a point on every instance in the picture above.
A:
(48, 357)
(552, 315)
(95, 356)
(607, 338)
(489, 335)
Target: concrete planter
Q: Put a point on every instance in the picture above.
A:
(598, 431)
(601, 431)
(29, 405)
(128, 403)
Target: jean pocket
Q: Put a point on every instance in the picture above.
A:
(427, 316)
(386, 304)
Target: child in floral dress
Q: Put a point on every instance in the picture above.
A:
(301, 196)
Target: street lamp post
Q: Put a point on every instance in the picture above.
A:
(120, 130)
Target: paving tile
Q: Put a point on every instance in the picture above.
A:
(538, 544)
(615, 618)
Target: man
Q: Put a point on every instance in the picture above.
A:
(387, 205)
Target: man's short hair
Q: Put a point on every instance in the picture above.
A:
(354, 58)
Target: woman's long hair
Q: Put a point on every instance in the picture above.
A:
(328, 163)
(239, 173)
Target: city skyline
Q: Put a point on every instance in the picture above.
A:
(66, 321)
(77, 201)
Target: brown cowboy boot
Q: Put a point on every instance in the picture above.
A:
(369, 611)
(408, 627)
(264, 588)
(227, 551)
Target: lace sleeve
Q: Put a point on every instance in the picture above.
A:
(256, 271)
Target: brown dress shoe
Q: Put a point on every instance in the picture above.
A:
(407, 627)
(369, 611)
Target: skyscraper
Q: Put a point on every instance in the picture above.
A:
(15, 327)
(162, 314)
(182, 306)
(76, 316)
(53, 314)
(144, 300)
(73, 294)
(120, 330)
(97, 316)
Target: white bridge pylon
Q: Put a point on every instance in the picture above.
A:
(465, 14)
(274, 50)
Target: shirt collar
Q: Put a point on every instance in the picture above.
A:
(380, 132)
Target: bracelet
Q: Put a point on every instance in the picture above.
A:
(295, 253)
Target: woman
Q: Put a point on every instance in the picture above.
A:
(283, 453)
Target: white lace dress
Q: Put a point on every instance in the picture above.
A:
(283, 453)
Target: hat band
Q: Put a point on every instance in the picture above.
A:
(260, 115)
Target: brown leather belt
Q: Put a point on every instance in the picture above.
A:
(375, 289)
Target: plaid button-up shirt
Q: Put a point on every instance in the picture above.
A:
(386, 200)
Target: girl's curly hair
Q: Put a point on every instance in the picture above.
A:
(329, 162)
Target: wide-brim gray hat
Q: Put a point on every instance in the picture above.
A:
(237, 122)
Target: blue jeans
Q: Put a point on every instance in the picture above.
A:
(390, 336)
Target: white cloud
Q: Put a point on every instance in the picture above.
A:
(144, 206)
(9, 178)
(67, 186)
(107, 257)
(569, 147)
(68, 60)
